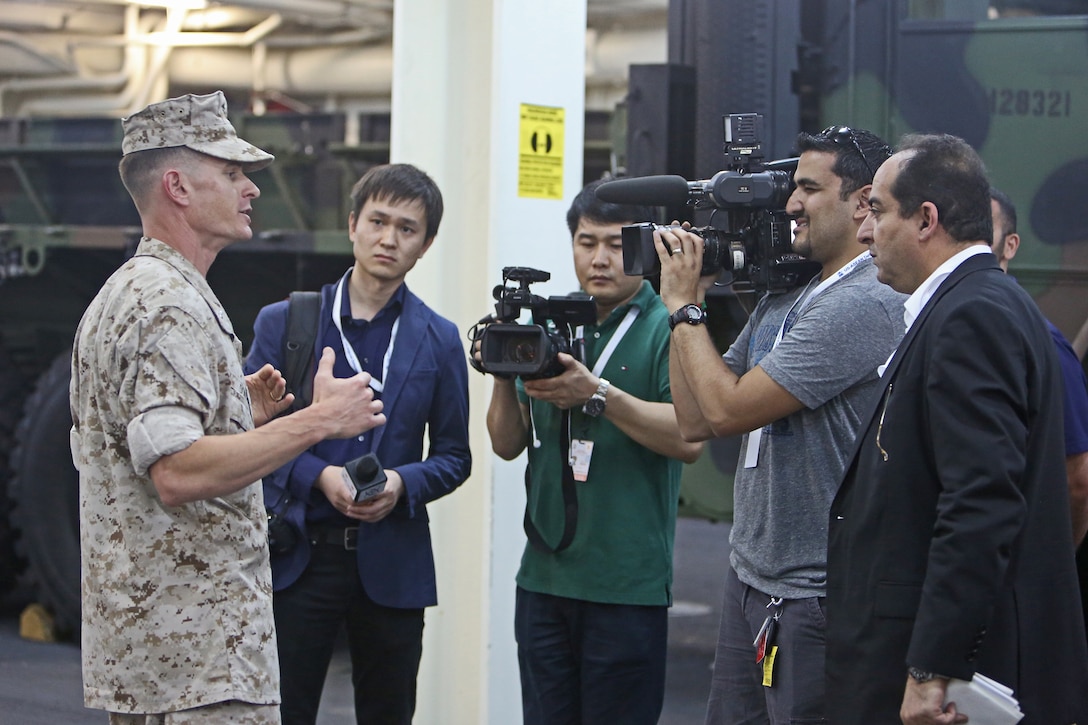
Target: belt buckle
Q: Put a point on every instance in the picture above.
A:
(351, 539)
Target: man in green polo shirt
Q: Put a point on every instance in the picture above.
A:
(593, 593)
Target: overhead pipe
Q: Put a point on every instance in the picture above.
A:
(52, 64)
(329, 9)
(137, 70)
(139, 81)
(197, 39)
(356, 71)
(134, 58)
(175, 21)
(347, 63)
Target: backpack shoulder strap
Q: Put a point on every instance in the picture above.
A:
(303, 310)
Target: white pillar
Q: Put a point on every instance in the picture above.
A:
(463, 72)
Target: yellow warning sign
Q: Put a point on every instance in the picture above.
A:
(540, 152)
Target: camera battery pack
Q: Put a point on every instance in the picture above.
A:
(365, 476)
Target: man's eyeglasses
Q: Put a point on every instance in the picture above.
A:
(844, 134)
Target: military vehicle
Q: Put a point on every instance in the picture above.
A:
(1009, 76)
(1016, 87)
(66, 222)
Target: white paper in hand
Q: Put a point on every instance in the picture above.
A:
(984, 700)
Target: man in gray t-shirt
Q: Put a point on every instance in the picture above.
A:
(796, 382)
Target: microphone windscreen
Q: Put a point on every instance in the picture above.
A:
(667, 190)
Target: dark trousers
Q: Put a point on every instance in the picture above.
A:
(796, 692)
(584, 663)
(385, 643)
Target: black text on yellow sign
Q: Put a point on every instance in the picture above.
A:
(540, 152)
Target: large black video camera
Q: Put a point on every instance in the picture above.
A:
(749, 233)
(508, 349)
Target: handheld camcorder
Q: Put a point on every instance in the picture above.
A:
(749, 233)
(508, 349)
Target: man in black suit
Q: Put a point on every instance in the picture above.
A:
(950, 545)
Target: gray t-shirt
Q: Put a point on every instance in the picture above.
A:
(828, 361)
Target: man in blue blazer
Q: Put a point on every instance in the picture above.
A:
(368, 567)
(950, 548)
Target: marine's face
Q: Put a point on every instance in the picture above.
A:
(222, 200)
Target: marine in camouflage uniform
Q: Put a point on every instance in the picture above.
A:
(177, 601)
(177, 589)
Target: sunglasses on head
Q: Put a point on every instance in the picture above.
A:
(843, 134)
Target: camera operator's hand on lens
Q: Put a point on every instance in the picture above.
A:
(475, 354)
(681, 254)
(570, 389)
(268, 394)
(346, 405)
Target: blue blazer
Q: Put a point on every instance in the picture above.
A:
(425, 393)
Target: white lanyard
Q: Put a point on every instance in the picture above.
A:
(349, 351)
(805, 300)
(598, 368)
(624, 326)
(751, 453)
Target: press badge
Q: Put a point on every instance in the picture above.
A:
(580, 453)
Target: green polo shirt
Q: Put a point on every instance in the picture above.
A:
(622, 550)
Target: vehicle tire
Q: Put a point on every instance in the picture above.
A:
(45, 491)
(12, 391)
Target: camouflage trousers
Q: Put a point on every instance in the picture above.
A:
(231, 712)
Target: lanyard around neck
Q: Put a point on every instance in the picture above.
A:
(349, 351)
(751, 453)
(624, 326)
(807, 299)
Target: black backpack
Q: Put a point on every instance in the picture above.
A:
(303, 311)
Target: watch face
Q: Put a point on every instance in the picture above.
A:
(691, 314)
(594, 406)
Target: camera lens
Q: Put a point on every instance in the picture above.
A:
(520, 350)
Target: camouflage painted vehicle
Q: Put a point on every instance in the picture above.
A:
(1009, 76)
(1015, 87)
(67, 223)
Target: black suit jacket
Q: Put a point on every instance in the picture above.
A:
(950, 544)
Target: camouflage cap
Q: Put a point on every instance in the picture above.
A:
(196, 122)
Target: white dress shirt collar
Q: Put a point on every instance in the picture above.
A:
(914, 304)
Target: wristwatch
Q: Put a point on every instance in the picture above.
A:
(691, 314)
(921, 675)
(595, 405)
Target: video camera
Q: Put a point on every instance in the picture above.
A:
(508, 349)
(749, 232)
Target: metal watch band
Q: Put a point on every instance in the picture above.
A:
(596, 403)
(921, 675)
